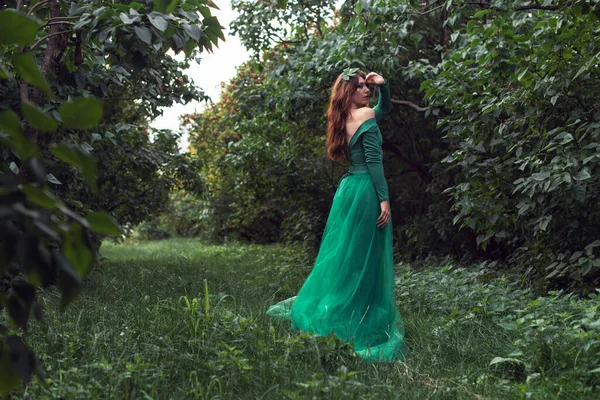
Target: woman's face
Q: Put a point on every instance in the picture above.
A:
(361, 96)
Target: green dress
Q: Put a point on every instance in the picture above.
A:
(350, 289)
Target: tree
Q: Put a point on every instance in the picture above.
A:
(53, 74)
(519, 80)
(490, 150)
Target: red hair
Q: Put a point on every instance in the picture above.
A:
(337, 113)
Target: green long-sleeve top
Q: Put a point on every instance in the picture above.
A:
(365, 146)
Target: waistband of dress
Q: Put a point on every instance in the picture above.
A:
(356, 170)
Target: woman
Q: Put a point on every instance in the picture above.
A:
(350, 289)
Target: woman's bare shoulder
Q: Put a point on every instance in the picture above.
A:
(364, 113)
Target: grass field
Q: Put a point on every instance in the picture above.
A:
(178, 319)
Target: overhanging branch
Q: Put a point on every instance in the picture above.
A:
(536, 7)
(32, 9)
(410, 104)
(36, 44)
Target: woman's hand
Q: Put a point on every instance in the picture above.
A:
(384, 218)
(374, 78)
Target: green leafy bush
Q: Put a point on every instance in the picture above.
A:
(523, 112)
(61, 181)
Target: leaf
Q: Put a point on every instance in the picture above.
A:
(193, 31)
(136, 6)
(127, 19)
(481, 13)
(4, 74)
(30, 72)
(52, 179)
(522, 74)
(69, 281)
(11, 125)
(165, 6)
(583, 175)
(37, 118)
(211, 4)
(543, 222)
(9, 380)
(581, 70)
(85, 163)
(143, 33)
(82, 113)
(16, 28)
(590, 158)
(500, 360)
(34, 167)
(102, 222)
(540, 176)
(95, 137)
(283, 3)
(178, 42)
(40, 196)
(87, 148)
(509, 326)
(565, 136)
(158, 21)
(77, 251)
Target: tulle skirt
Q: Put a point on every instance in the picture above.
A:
(350, 289)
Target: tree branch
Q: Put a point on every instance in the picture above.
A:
(431, 10)
(419, 168)
(24, 95)
(48, 55)
(410, 104)
(60, 18)
(32, 9)
(24, 91)
(443, 18)
(536, 7)
(59, 22)
(36, 44)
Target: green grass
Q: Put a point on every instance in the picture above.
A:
(145, 327)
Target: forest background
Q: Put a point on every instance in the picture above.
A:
(491, 150)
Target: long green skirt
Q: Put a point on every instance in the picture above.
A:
(350, 289)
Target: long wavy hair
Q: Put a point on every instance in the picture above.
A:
(337, 113)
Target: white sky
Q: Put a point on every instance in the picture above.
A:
(213, 69)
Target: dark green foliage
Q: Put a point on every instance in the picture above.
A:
(69, 154)
(490, 150)
(271, 126)
(524, 115)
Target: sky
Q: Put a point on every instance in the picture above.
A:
(220, 66)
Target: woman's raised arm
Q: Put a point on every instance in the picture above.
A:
(384, 105)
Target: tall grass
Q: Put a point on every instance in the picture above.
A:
(179, 319)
